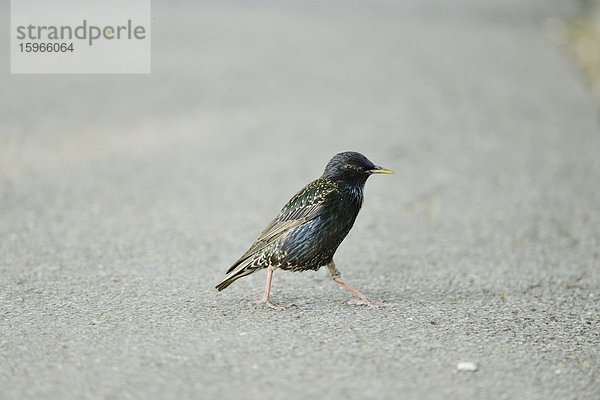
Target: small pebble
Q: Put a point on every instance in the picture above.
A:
(466, 366)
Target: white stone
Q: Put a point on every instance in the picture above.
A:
(467, 366)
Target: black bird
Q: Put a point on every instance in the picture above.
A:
(311, 226)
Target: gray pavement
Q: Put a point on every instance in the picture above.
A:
(125, 198)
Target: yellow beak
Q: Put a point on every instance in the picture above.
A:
(380, 170)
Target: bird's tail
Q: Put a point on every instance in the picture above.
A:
(224, 283)
(237, 271)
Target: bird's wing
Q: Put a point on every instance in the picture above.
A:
(303, 207)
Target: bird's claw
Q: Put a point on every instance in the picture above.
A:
(268, 303)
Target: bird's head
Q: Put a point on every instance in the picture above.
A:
(352, 167)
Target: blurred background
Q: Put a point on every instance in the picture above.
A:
(124, 198)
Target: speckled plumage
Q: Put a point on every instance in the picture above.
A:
(309, 228)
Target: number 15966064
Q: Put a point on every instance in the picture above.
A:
(46, 47)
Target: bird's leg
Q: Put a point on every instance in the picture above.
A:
(337, 277)
(265, 298)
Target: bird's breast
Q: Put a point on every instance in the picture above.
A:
(314, 243)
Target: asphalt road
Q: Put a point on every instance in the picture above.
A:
(125, 198)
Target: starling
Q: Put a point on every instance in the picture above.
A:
(311, 226)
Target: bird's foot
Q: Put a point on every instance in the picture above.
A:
(368, 302)
(268, 303)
